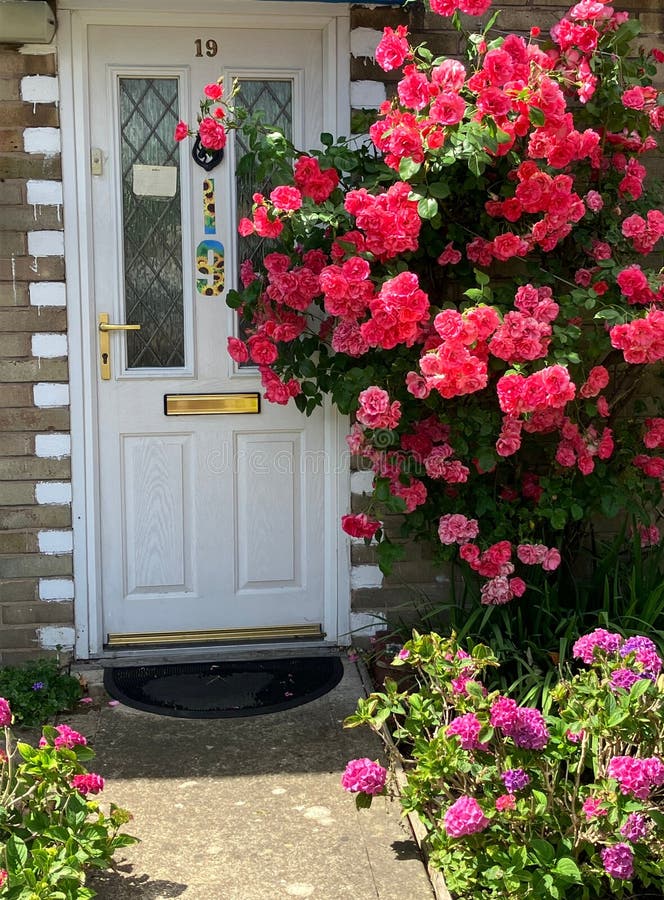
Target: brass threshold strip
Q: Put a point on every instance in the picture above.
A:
(217, 635)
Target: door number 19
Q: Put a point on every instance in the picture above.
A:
(210, 48)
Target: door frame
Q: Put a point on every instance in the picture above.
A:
(74, 19)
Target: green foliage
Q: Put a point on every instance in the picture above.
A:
(50, 833)
(536, 841)
(32, 703)
(616, 582)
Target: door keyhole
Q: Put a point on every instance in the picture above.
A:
(104, 358)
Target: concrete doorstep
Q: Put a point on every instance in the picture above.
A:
(249, 808)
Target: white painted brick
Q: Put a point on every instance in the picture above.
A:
(37, 49)
(47, 394)
(61, 541)
(363, 41)
(367, 94)
(39, 89)
(366, 624)
(361, 482)
(44, 193)
(48, 293)
(52, 446)
(53, 636)
(46, 243)
(366, 577)
(56, 589)
(53, 492)
(49, 346)
(42, 140)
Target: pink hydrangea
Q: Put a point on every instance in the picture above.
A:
(88, 783)
(619, 861)
(593, 807)
(364, 776)
(503, 713)
(5, 713)
(467, 729)
(464, 816)
(524, 724)
(636, 776)
(68, 738)
(505, 801)
(599, 639)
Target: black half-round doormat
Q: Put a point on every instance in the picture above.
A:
(224, 689)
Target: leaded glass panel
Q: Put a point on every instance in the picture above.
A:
(152, 225)
(274, 99)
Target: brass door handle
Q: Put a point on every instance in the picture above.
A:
(105, 343)
(106, 326)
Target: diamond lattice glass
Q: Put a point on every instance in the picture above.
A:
(152, 225)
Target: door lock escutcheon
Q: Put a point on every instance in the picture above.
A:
(105, 329)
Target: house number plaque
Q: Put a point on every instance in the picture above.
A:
(211, 48)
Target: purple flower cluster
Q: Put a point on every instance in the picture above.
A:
(524, 724)
(5, 713)
(624, 678)
(467, 728)
(515, 780)
(464, 817)
(649, 663)
(636, 827)
(619, 861)
(364, 776)
(636, 776)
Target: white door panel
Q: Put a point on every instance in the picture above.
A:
(208, 522)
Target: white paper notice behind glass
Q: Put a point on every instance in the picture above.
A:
(155, 181)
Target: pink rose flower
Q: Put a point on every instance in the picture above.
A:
(286, 198)
(212, 133)
(214, 91)
(360, 525)
(181, 131)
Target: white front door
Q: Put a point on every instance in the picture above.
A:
(212, 526)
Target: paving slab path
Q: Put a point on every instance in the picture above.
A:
(250, 808)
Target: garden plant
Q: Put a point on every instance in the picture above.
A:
(476, 284)
(38, 689)
(52, 828)
(517, 804)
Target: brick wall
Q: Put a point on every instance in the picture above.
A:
(36, 587)
(416, 583)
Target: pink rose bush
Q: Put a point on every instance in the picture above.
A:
(476, 288)
(523, 803)
(52, 829)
